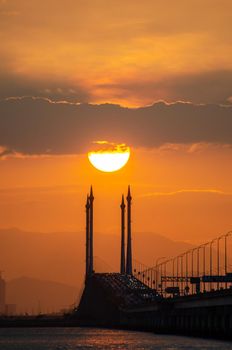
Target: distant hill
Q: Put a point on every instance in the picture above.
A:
(53, 257)
(35, 296)
(60, 256)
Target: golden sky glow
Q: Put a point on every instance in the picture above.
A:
(155, 75)
(171, 186)
(132, 52)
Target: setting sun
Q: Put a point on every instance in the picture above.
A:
(111, 157)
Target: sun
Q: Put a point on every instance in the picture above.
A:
(110, 157)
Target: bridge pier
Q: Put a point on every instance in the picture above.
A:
(213, 321)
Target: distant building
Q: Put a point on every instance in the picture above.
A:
(2, 294)
(10, 309)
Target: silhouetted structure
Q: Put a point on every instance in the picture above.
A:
(158, 298)
(198, 270)
(129, 248)
(91, 199)
(89, 269)
(122, 265)
(87, 260)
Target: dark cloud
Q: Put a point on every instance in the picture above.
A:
(12, 85)
(37, 126)
(205, 87)
(213, 87)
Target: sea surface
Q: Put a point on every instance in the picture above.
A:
(93, 338)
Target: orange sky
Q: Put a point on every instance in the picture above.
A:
(132, 52)
(183, 192)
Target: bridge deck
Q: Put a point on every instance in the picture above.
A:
(113, 299)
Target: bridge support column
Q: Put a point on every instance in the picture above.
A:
(91, 199)
(87, 260)
(122, 264)
(129, 248)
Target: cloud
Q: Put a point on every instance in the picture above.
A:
(40, 126)
(106, 146)
(186, 191)
(17, 85)
(197, 147)
(118, 52)
(200, 88)
(3, 151)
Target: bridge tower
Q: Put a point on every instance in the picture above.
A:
(122, 265)
(87, 261)
(129, 248)
(91, 199)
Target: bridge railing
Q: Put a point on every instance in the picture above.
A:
(206, 267)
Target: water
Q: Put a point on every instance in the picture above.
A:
(87, 338)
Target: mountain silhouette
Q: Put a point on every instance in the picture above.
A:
(35, 296)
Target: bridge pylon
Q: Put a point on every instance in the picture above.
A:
(122, 264)
(89, 267)
(129, 246)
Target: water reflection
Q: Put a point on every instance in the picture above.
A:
(92, 338)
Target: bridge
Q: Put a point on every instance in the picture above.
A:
(188, 294)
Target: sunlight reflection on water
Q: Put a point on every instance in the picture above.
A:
(87, 338)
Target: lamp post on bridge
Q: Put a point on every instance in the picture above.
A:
(186, 268)
(165, 274)
(179, 283)
(198, 260)
(192, 263)
(177, 270)
(173, 271)
(225, 252)
(204, 246)
(218, 258)
(211, 256)
(151, 277)
(181, 272)
(156, 271)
